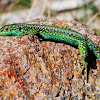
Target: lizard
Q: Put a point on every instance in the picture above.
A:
(61, 34)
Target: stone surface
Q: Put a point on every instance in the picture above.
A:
(41, 70)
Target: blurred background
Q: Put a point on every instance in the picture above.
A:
(19, 11)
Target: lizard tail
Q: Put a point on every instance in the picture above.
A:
(93, 47)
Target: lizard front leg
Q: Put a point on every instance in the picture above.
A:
(28, 32)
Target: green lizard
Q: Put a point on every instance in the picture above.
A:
(62, 34)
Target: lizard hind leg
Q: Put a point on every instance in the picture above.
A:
(84, 53)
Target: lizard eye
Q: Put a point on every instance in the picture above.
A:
(6, 29)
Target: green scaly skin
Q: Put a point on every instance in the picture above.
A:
(63, 34)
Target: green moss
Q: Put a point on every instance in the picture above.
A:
(26, 3)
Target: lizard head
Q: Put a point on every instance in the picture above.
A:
(4, 28)
(12, 29)
(17, 29)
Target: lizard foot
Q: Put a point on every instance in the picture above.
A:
(85, 64)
